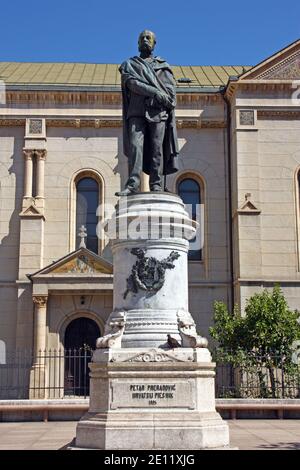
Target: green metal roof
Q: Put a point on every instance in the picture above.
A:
(77, 74)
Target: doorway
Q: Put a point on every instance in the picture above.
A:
(80, 341)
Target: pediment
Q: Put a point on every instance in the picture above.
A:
(284, 65)
(31, 211)
(80, 262)
(248, 207)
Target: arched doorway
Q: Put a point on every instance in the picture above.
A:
(80, 341)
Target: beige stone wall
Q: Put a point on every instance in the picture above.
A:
(201, 299)
(62, 309)
(24, 316)
(11, 188)
(279, 154)
(70, 150)
(202, 152)
(266, 157)
(8, 303)
(11, 193)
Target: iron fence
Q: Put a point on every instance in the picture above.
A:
(252, 375)
(53, 373)
(59, 373)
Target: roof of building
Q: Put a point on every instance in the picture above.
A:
(97, 75)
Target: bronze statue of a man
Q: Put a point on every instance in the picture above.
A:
(149, 127)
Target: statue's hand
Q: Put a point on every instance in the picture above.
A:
(162, 99)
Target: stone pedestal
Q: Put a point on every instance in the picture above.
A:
(152, 399)
(152, 379)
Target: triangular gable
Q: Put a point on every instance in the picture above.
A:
(248, 207)
(81, 261)
(284, 65)
(31, 211)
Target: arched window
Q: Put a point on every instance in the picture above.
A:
(190, 192)
(87, 201)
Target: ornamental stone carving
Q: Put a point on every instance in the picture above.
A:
(28, 153)
(40, 154)
(148, 273)
(113, 332)
(247, 118)
(40, 300)
(153, 356)
(35, 126)
(288, 69)
(188, 333)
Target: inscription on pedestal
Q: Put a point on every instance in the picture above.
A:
(153, 395)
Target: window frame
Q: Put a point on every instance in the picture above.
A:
(84, 173)
(201, 183)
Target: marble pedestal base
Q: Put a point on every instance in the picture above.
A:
(152, 399)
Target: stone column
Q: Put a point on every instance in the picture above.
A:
(28, 153)
(144, 183)
(40, 316)
(160, 221)
(152, 377)
(38, 372)
(40, 186)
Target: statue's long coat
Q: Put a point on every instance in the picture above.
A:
(160, 76)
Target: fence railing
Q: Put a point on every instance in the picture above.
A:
(64, 373)
(253, 375)
(53, 373)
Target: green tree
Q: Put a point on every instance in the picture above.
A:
(262, 340)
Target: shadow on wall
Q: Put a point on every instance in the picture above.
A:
(11, 194)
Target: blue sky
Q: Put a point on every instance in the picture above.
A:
(189, 32)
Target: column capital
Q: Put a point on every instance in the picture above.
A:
(40, 154)
(40, 300)
(28, 153)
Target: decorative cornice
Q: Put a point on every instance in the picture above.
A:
(80, 123)
(260, 85)
(93, 97)
(289, 68)
(278, 114)
(107, 123)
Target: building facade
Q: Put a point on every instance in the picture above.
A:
(61, 159)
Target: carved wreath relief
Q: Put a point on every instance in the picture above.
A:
(148, 273)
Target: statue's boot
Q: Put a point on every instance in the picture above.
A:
(156, 188)
(126, 192)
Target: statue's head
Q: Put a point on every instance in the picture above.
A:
(147, 41)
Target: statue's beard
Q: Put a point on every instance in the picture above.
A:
(146, 48)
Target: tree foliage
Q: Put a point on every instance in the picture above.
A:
(263, 339)
(269, 326)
